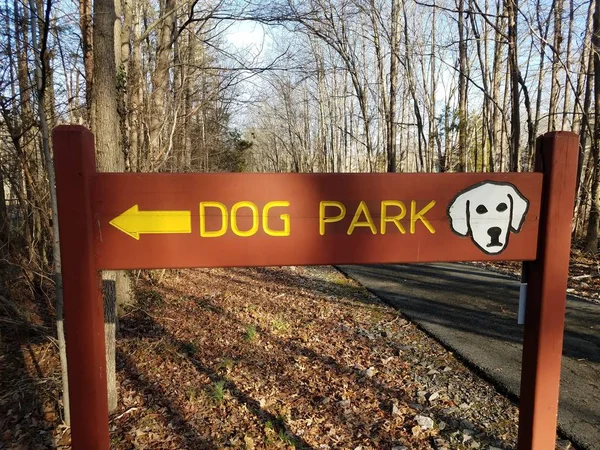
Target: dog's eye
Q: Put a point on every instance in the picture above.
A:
(481, 209)
(501, 207)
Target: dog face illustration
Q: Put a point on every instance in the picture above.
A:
(488, 212)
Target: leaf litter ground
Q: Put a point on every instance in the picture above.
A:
(278, 358)
(283, 357)
(584, 274)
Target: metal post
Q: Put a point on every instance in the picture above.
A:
(556, 157)
(523, 293)
(75, 164)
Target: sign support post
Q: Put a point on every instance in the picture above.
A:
(556, 157)
(75, 163)
(124, 221)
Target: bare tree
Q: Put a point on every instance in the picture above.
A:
(556, 64)
(513, 58)
(109, 156)
(591, 243)
(462, 89)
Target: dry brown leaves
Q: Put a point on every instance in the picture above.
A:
(584, 274)
(270, 358)
(293, 357)
(29, 372)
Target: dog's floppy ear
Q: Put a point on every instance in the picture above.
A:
(458, 213)
(520, 205)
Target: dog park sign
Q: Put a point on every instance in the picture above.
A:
(143, 221)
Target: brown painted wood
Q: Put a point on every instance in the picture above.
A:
(556, 157)
(115, 193)
(84, 317)
(88, 202)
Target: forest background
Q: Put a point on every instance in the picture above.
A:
(299, 86)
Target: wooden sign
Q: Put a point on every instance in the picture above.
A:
(219, 220)
(127, 221)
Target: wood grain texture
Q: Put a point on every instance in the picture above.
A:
(557, 154)
(115, 193)
(84, 315)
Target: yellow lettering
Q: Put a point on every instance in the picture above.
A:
(284, 217)
(323, 220)
(224, 216)
(362, 209)
(234, 225)
(393, 219)
(414, 216)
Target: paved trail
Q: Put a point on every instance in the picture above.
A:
(474, 311)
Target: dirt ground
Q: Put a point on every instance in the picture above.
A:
(262, 359)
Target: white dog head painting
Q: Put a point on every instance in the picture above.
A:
(488, 212)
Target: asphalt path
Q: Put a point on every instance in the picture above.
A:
(474, 312)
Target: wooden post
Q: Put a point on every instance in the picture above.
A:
(75, 164)
(556, 157)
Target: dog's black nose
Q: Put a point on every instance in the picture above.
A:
(494, 233)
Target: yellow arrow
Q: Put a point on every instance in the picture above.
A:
(134, 222)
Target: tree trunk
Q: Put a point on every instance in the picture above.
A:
(193, 57)
(567, 96)
(496, 141)
(540, 80)
(581, 122)
(85, 24)
(394, 55)
(434, 134)
(556, 62)
(134, 93)
(4, 225)
(591, 244)
(39, 42)
(583, 73)
(584, 132)
(106, 127)
(515, 120)
(411, 80)
(24, 142)
(160, 79)
(482, 56)
(449, 161)
(462, 90)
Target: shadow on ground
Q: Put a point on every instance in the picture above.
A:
(29, 399)
(147, 325)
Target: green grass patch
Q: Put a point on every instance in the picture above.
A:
(251, 333)
(286, 438)
(217, 391)
(280, 325)
(226, 364)
(192, 394)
